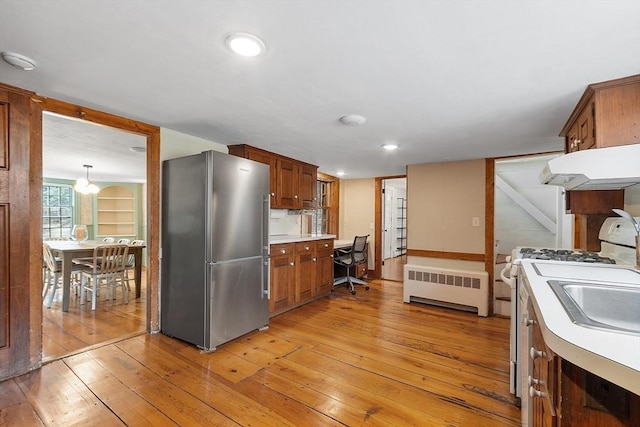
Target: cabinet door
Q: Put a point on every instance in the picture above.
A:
(266, 158)
(586, 130)
(308, 186)
(282, 277)
(571, 140)
(324, 279)
(306, 265)
(287, 183)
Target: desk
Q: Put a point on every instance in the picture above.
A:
(67, 250)
(342, 244)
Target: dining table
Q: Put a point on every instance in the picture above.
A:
(67, 250)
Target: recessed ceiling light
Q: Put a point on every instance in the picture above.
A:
(340, 173)
(390, 147)
(352, 120)
(244, 44)
(18, 61)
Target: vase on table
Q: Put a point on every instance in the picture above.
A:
(79, 233)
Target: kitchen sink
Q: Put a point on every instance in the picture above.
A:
(614, 308)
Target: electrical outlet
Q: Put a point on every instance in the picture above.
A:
(475, 221)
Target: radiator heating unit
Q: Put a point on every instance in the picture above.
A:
(461, 289)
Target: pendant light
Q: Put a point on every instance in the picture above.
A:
(84, 186)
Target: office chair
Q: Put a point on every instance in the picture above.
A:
(351, 258)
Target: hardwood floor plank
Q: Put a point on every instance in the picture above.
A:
(181, 407)
(441, 406)
(61, 399)
(116, 395)
(15, 410)
(201, 382)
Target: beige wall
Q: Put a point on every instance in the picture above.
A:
(442, 199)
(175, 144)
(357, 211)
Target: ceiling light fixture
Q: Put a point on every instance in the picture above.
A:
(138, 149)
(390, 147)
(84, 186)
(18, 61)
(244, 44)
(340, 173)
(352, 120)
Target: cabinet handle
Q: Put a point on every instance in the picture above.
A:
(535, 393)
(529, 322)
(283, 251)
(326, 245)
(273, 194)
(531, 381)
(295, 197)
(292, 264)
(536, 353)
(331, 255)
(306, 248)
(315, 259)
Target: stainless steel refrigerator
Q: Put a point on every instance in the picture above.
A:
(215, 248)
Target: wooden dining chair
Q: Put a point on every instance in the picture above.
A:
(131, 262)
(108, 264)
(52, 279)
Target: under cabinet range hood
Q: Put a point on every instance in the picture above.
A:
(609, 168)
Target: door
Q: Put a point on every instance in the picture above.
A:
(237, 194)
(20, 203)
(387, 223)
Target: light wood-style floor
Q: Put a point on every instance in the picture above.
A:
(367, 359)
(65, 333)
(393, 268)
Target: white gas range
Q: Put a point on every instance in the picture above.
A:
(618, 241)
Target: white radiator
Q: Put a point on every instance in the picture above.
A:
(442, 286)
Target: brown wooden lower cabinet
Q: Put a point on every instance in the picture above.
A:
(568, 396)
(300, 273)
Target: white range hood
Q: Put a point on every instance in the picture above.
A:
(609, 168)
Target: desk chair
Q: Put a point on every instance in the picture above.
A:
(351, 258)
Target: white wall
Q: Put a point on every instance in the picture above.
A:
(513, 226)
(632, 200)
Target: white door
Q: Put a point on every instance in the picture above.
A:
(388, 223)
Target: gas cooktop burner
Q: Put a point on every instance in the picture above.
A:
(564, 255)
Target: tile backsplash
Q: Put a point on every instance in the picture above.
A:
(281, 222)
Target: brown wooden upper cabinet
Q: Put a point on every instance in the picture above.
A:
(292, 183)
(607, 114)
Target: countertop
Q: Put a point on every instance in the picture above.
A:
(611, 355)
(292, 238)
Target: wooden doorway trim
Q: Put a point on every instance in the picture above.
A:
(152, 133)
(377, 265)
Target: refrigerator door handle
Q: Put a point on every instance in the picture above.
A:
(231, 261)
(266, 277)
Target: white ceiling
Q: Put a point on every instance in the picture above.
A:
(447, 80)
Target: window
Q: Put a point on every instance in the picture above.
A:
(57, 211)
(324, 219)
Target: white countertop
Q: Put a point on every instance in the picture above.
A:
(292, 238)
(611, 355)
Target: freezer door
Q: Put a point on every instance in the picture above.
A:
(238, 299)
(237, 190)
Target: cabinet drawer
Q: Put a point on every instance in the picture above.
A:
(305, 247)
(282, 249)
(324, 247)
